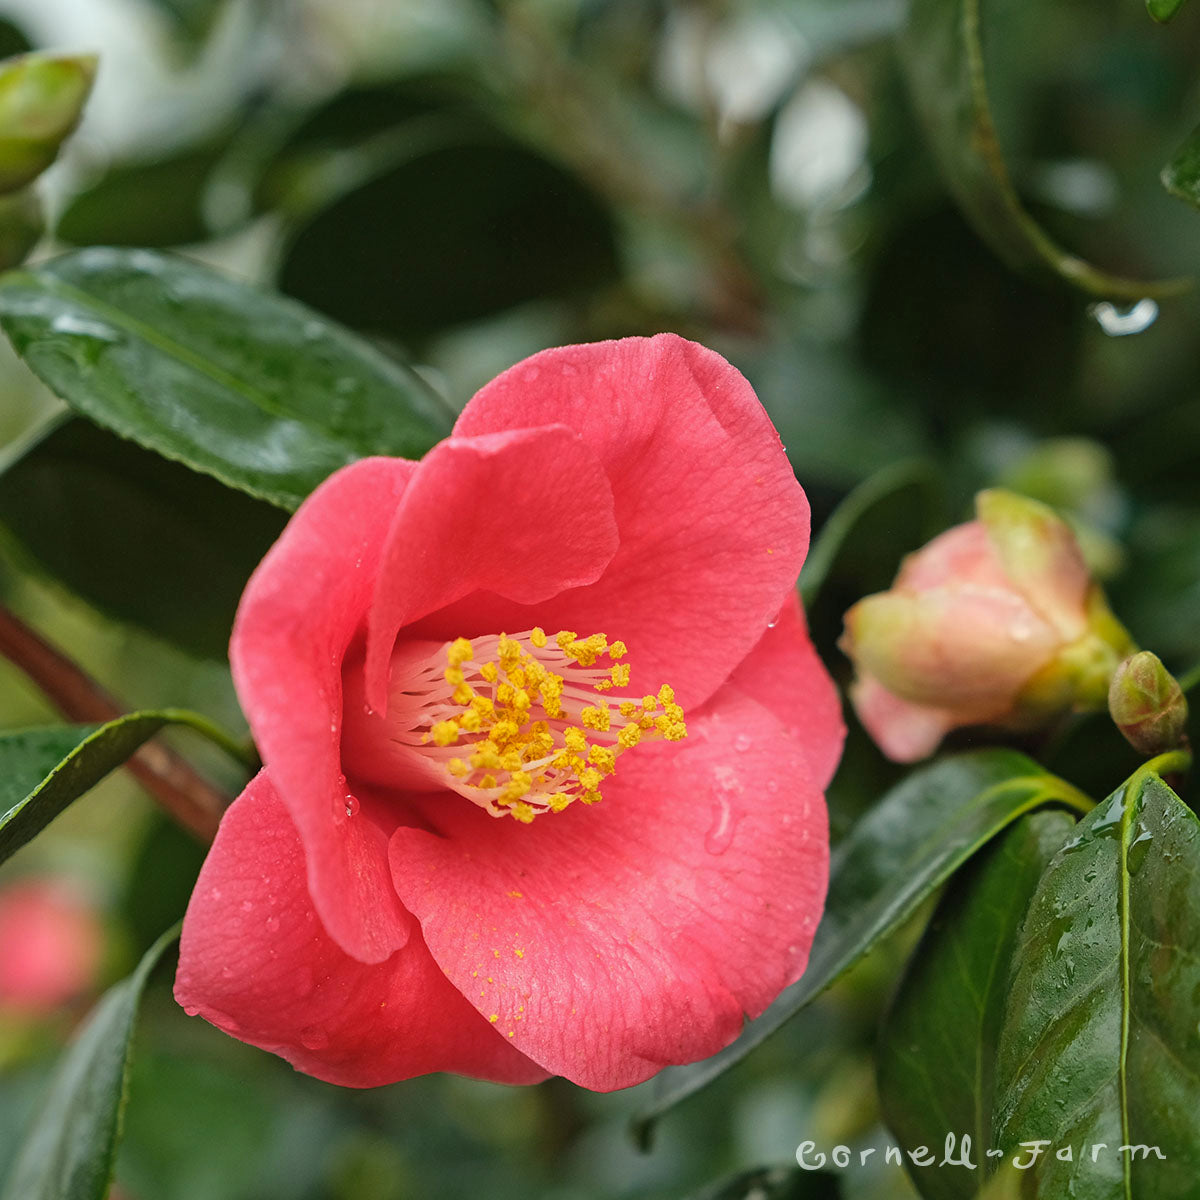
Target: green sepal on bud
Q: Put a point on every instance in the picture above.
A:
(1147, 704)
(41, 100)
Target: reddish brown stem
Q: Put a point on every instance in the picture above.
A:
(183, 793)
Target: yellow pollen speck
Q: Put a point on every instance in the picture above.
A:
(519, 953)
(494, 1018)
(517, 895)
(770, 551)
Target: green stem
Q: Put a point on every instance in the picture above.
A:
(243, 753)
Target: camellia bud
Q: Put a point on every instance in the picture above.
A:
(41, 101)
(995, 622)
(1147, 704)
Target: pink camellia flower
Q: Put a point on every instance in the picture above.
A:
(545, 742)
(51, 943)
(995, 622)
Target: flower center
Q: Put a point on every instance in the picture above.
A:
(525, 724)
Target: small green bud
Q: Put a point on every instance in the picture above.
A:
(1147, 704)
(41, 100)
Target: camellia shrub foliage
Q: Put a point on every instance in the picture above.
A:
(599, 598)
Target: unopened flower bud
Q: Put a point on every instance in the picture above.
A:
(41, 101)
(994, 622)
(1147, 704)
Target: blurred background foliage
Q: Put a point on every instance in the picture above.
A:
(466, 182)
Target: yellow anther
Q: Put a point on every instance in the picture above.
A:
(508, 650)
(470, 721)
(591, 797)
(490, 672)
(627, 708)
(523, 813)
(589, 778)
(596, 718)
(445, 733)
(564, 637)
(620, 674)
(459, 652)
(617, 650)
(603, 759)
(462, 694)
(649, 703)
(458, 768)
(488, 781)
(629, 736)
(537, 635)
(575, 739)
(558, 802)
(666, 694)
(483, 706)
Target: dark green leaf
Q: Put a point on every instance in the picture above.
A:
(41, 100)
(245, 386)
(1163, 10)
(942, 53)
(1100, 1040)
(1181, 176)
(42, 771)
(69, 1150)
(12, 39)
(137, 536)
(906, 847)
(879, 488)
(451, 228)
(938, 1043)
(155, 202)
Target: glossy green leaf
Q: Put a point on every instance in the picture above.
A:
(901, 852)
(251, 388)
(1163, 10)
(41, 100)
(193, 18)
(450, 226)
(137, 536)
(42, 771)
(942, 53)
(1181, 176)
(72, 1141)
(1100, 1043)
(938, 1043)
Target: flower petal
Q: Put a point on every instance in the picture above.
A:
(610, 941)
(962, 555)
(255, 961)
(301, 611)
(524, 514)
(713, 525)
(785, 675)
(968, 649)
(905, 732)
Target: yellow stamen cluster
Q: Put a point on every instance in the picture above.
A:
(522, 724)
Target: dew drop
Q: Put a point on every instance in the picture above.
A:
(351, 805)
(314, 1038)
(191, 1010)
(1121, 322)
(742, 743)
(773, 623)
(725, 818)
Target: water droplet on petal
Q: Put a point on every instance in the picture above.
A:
(314, 1038)
(351, 805)
(742, 742)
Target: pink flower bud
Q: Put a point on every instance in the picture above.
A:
(994, 622)
(50, 945)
